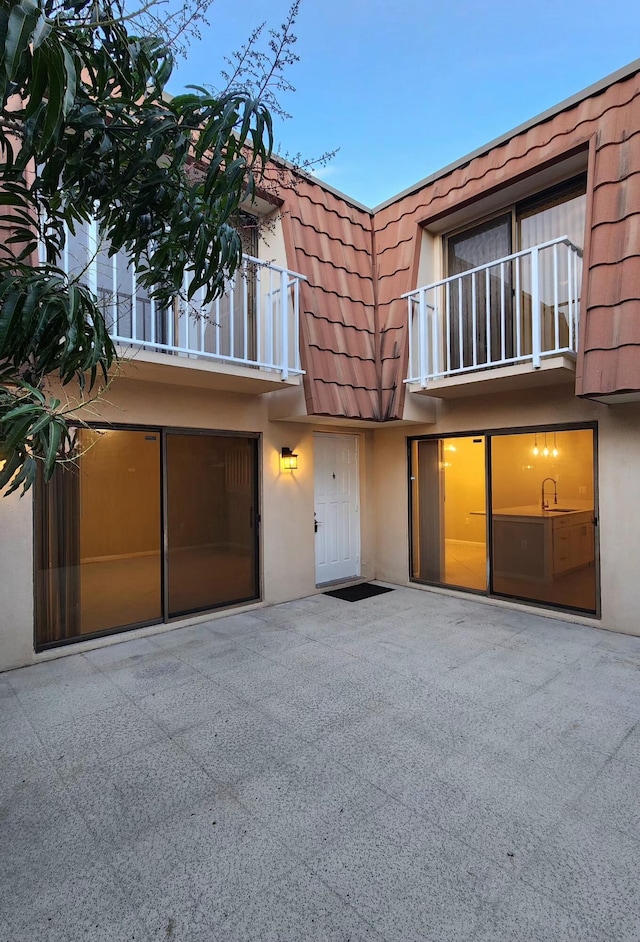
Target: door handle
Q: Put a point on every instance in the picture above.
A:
(315, 524)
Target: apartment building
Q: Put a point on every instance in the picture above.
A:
(443, 391)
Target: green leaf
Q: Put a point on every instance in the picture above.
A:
(54, 110)
(55, 436)
(22, 21)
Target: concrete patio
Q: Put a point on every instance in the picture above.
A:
(409, 768)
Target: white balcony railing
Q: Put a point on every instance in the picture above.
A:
(254, 324)
(517, 309)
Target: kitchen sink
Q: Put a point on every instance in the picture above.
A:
(561, 510)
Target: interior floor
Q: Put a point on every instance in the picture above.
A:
(466, 566)
(573, 590)
(203, 577)
(119, 592)
(128, 590)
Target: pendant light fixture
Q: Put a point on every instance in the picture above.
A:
(545, 450)
(536, 450)
(555, 451)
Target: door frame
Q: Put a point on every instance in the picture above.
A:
(488, 434)
(358, 548)
(507, 213)
(257, 495)
(164, 619)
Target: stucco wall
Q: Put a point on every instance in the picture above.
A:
(16, 581)
(287, 549)
(287, 533)
(618, 463)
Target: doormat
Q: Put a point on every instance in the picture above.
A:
(355, 593)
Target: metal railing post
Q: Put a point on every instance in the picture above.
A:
(410, 303)
(422, 329)
(115, 320)
(435, 338)
(174, 331)
(257, 312)
(92, 247)
(536, 327)
(296, 320)
(284, 317)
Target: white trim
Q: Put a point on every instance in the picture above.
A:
(341, 436)
(110, 559)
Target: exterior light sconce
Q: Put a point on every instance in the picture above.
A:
(288, 460)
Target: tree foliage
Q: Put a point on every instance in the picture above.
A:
(88, 131)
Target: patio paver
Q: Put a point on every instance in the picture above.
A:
(412, 767)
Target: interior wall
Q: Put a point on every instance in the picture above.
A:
(517, 474)
(464, 490)
(206, 519)
(106, 499)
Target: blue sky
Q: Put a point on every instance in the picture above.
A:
(404, 88)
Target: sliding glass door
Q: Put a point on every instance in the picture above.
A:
(98, 538)
(479, 306)
(543, 519)
(448, 512)
(211, 521)
(538, 489)
(150, 525)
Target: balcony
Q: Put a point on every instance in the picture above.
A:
(507, 324)
(247, 340)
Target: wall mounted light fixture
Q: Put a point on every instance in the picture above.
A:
(288, 460)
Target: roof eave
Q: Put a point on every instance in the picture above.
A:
(621, 74)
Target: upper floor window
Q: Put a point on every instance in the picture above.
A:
(557, 212)
(512, 282)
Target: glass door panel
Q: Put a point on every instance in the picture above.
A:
(211, 483)
(98, 538)
(543, 520)
(481, 299)
(561, 212)
(120, 529)
(449, 512)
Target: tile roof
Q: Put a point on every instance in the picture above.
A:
(359, 263)
(611, 118)
(329, 241)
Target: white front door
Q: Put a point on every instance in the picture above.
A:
(337, 512)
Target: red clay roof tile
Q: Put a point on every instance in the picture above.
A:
(353, 324)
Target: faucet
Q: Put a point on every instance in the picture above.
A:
(545, 505)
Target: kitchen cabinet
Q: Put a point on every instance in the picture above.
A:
(573, 546)
(540, 545)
